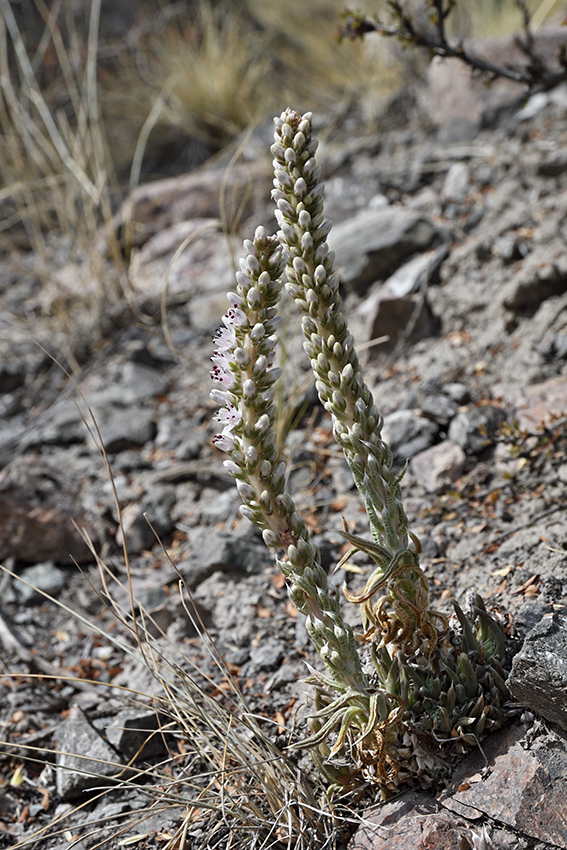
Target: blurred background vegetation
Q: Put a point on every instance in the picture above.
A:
(98, 95)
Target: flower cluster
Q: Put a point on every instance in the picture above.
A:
(429, 683)
(402, 615)
(243, 366)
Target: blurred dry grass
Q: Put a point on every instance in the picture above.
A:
(87, 108)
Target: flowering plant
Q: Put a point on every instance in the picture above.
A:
(419, 688)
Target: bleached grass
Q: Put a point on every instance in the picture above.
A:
(223, 773)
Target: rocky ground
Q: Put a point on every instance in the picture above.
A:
(454, 249)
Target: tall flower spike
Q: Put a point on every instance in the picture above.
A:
(245, 357)
(403, 615)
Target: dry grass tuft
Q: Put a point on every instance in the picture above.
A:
(223, 775)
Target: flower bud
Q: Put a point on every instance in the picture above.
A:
(288, 232)
(232, 467)
(257, 332)
(253, 296)
(299, 265)
(245, 490)
(262, 424)
(293, 555)
(242, 357)
(253, 265)
(248, 513)
(277, 150)
(271, 539)
(299, 141)
(306, 242)
(311, 298)
(290, 157)
(251, 455)
(249, 388)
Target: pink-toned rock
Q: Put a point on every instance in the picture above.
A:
(438, 466)
(413, 821)
(38, 505)
(417, 821)
(538, 404)
(203, 193)
(526, 789)
(521, 788)
(203, 264)
(459, 97)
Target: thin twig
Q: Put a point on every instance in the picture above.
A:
(536, 76)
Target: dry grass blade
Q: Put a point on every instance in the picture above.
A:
(222, 773)
(59, 185)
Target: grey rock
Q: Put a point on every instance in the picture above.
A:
(457, 182)
(12, 376)
(530, 615)
(438, 466)
(300, 476)
(44, 577)
(66, 421)
(538, 678)
(341, 475)
(509, 247)
(370, 246)
(543, 274)
(172, 437)
(290, 671)
(475, 429)
(346, 196)
(416, 820)
(417, 272)
(462, 103)
(153, 352)
(393, 319)
(157, 206)
(213, 551)
(123, 429)
(237, 655)
(140, 382)
(537, 405)
(135, 733)
(38, 503)
(84, 759)
(532, 107)
(142, 520)
(301, 637)
(189, 449)
(205, 310)
(64, 426)
(407, 433)
(458, 392)
(217, 507)
(329, 545)
(439, 407)
(553, 164)
(525, 788)
(267, 654)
